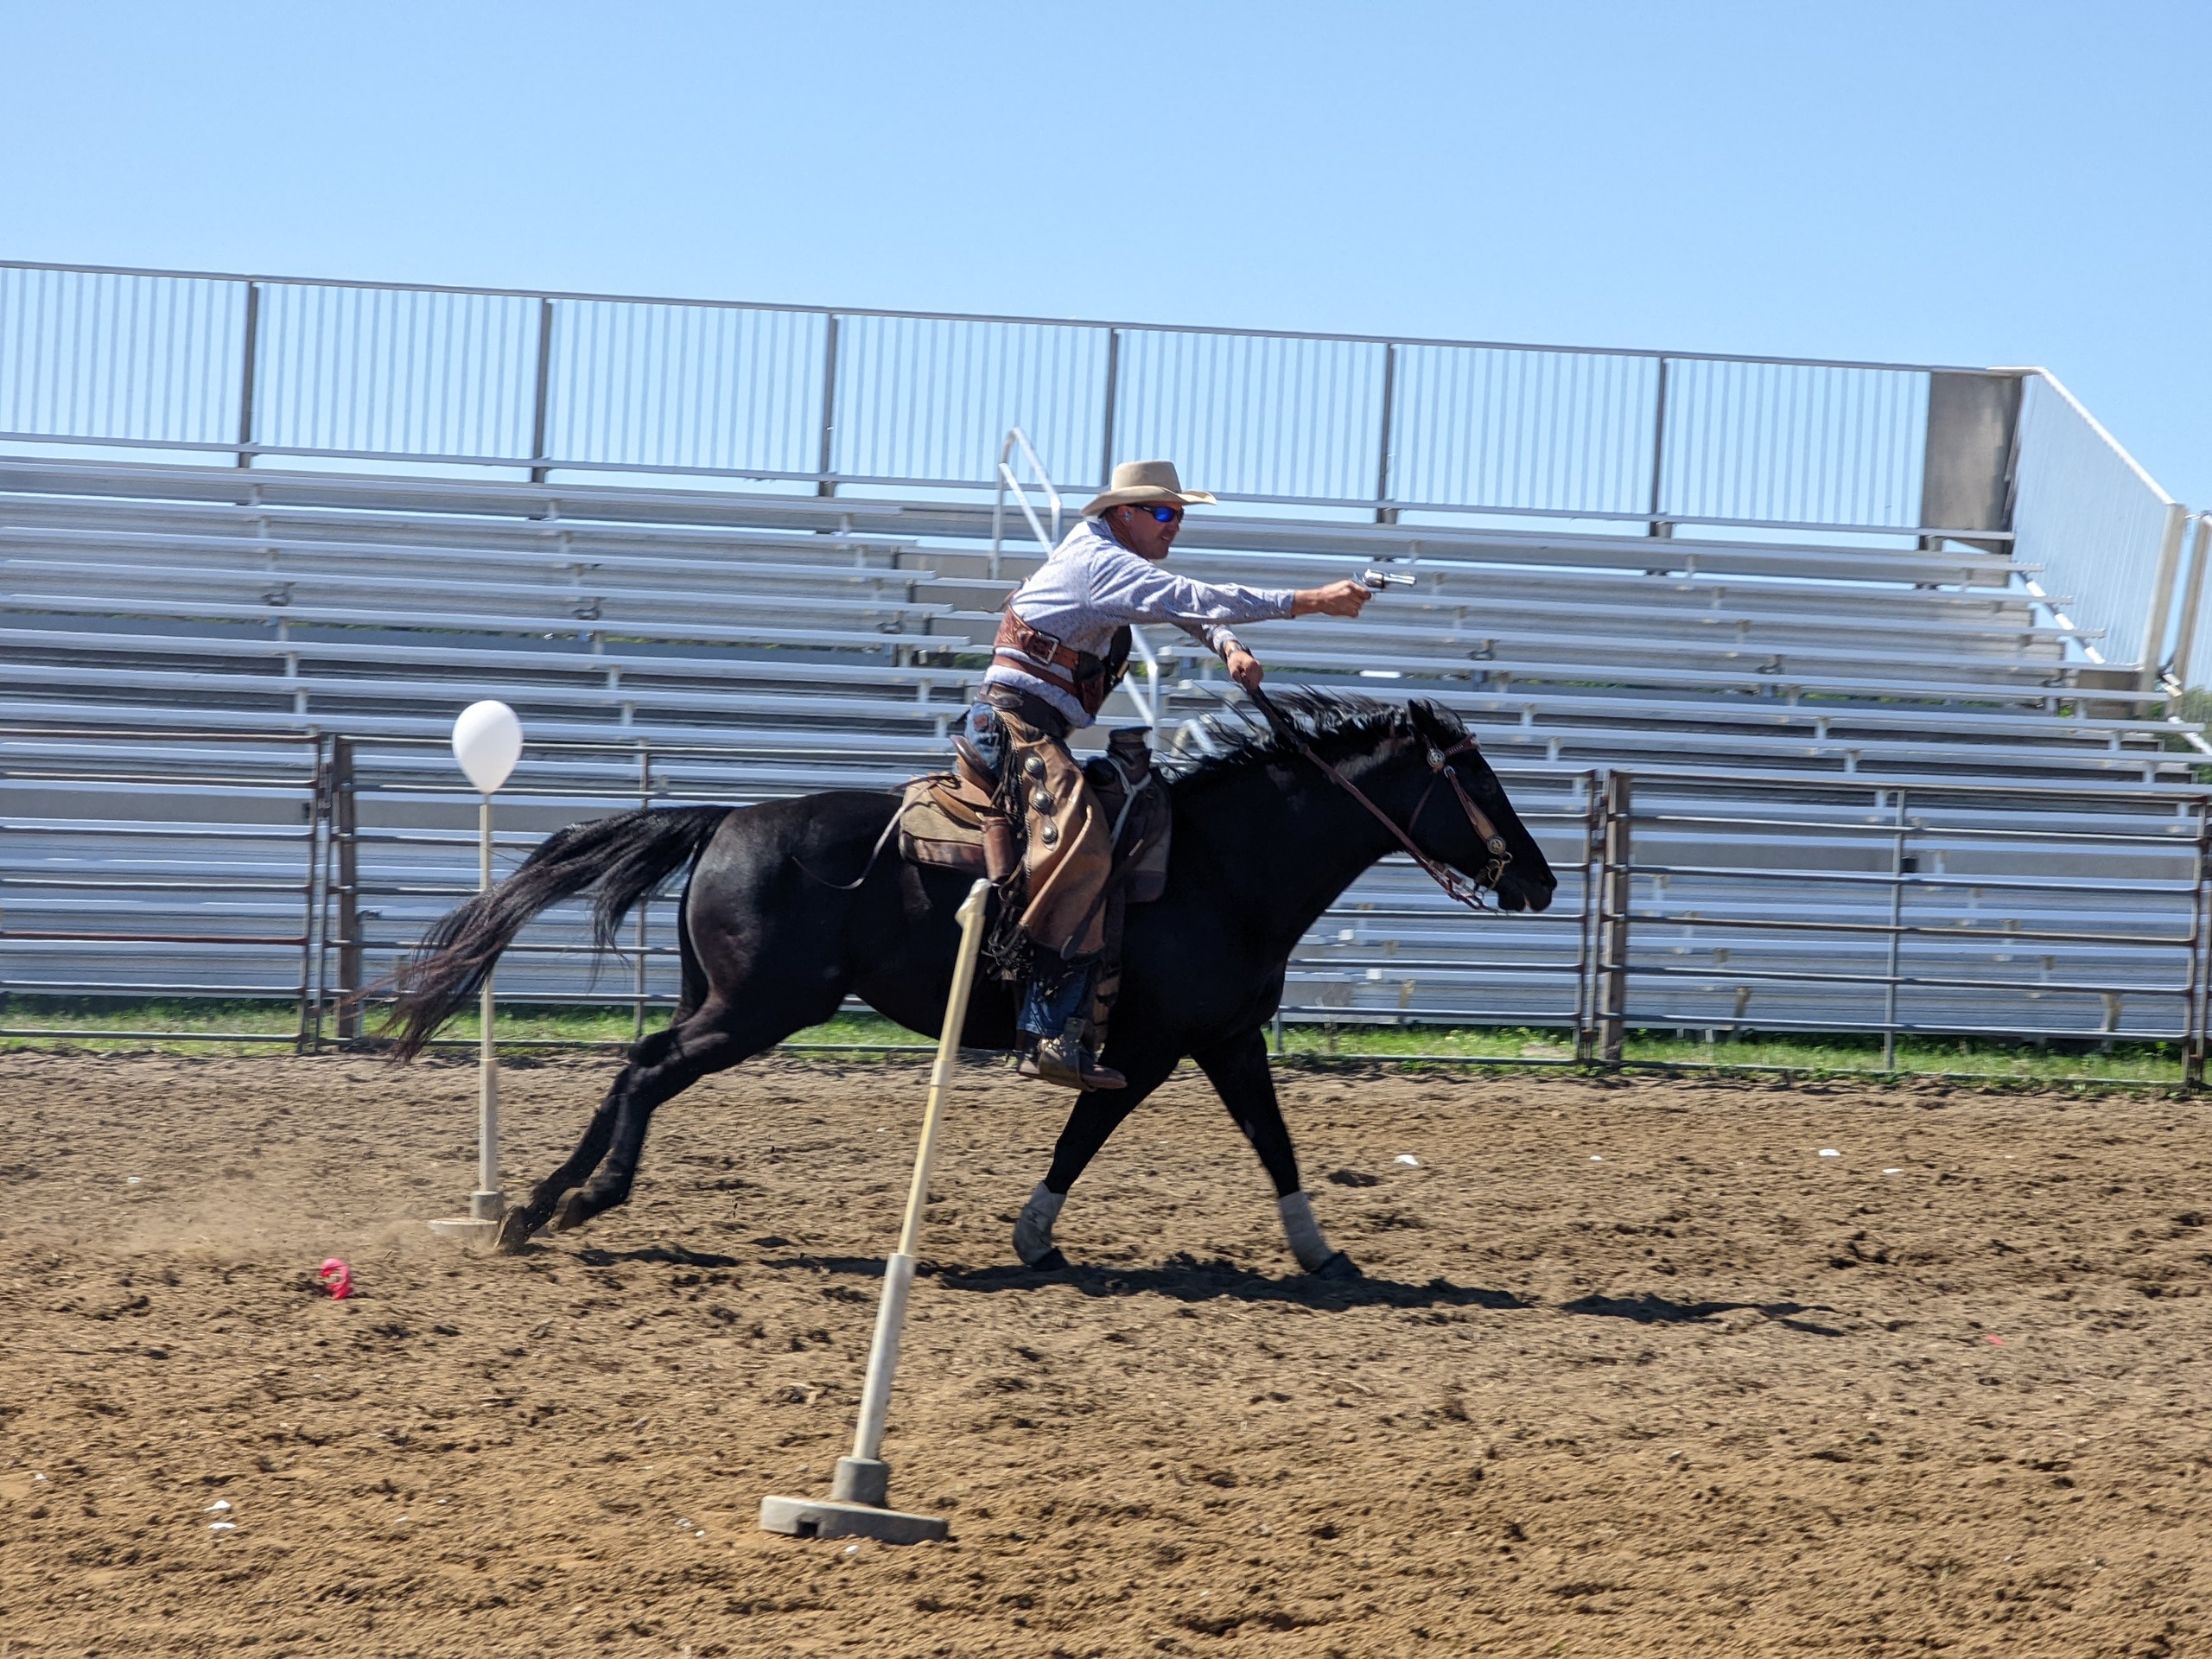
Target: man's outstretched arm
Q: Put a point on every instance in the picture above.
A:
(1337, 598)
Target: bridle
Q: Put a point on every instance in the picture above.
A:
(1455, 885)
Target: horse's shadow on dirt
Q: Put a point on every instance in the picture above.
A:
(669, 1255)
(1182, 1279)
(1187, 1279)
(1647, 1309)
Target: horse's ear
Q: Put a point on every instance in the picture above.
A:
(1437, 726)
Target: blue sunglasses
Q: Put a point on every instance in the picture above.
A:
(1165, 515)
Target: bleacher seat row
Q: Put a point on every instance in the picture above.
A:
(814, 642)
(296, 600)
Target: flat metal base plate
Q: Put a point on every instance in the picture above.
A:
(821, 1517)
(466, 1228)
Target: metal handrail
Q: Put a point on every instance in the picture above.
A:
(1015, 438)
(1146, 700)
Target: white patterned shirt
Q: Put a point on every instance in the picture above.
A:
(1092, 585)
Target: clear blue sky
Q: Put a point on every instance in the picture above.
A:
(1972, 183)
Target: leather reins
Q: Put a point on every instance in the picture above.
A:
(1455, 885)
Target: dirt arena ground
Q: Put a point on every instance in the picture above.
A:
(1635, 1370)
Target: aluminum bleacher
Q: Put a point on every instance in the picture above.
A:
(247, 614)
(1808, 671)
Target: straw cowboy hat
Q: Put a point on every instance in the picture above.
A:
(1146, 480)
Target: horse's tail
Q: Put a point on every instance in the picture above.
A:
(624, 857)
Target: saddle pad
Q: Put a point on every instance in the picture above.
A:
(940, 822)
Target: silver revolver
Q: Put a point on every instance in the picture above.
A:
(1376, 581)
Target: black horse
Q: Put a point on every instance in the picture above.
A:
(1265, 838)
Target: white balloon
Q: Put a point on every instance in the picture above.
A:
(487, 741)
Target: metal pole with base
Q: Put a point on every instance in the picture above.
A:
(487, 741)
(855, 1506)
(487, 1203)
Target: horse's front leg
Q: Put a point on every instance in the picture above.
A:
(1097, 1114)
(1237, 1068)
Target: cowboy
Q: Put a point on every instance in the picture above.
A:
(1060, 649)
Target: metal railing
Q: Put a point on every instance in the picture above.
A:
(2191, 650)
(1932, 911)
(214, 892)
(253, 369)
(2099, 527)
(297, 871)
(263, 370)
(1016, 439)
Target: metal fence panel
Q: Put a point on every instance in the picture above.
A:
(1256, 415)
(355, 370)
(1559, 432)
(103, 357)
(931, 399)
(1997, 912)
(136, 865)
(1793, 444)
(724, 388)
(182, 867)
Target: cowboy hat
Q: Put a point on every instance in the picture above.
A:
(1145, 480)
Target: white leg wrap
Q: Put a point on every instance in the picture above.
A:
(1303, 1231)
(1032, 1234)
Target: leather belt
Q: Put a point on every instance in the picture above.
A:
(1082, 676)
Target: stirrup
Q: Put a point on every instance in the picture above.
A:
(1064, 1060)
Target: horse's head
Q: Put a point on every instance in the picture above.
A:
(1444, 828)
(1412, 763)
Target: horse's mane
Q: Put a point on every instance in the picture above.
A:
(1238, 739)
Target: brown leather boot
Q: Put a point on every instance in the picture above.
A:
(1064, 1060)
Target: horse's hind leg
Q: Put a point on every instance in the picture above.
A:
(662, 1066)
(526, 1218)
(1239, 1072)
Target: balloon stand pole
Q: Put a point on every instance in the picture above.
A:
(855, 1507)
(487, 1203)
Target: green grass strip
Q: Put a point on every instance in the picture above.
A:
(173, 1025)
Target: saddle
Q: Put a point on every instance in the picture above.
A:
(956, 821)
(946, 818)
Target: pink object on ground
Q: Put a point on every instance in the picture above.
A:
(338, 1276)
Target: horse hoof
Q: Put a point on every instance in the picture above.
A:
(514, 1233)
(570, 1215)
(1338, 1265)
(1050, 1261)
